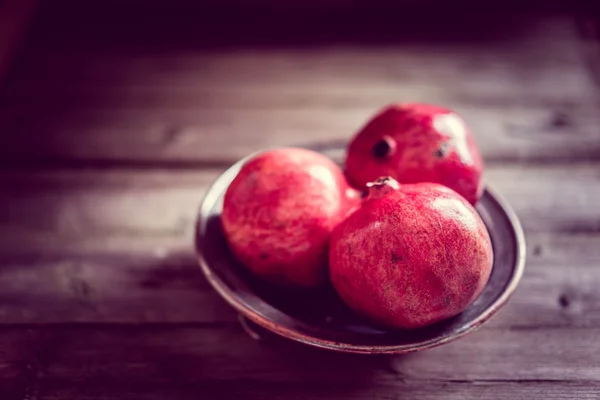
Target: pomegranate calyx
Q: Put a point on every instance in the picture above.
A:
(381, 187)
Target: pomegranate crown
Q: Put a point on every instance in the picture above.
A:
(382, 186)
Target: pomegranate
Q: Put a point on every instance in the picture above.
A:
(411, 255)
(279, 212)
(417, 143)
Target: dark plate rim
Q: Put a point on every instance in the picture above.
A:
(234, 301)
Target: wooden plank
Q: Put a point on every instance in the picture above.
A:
(14, 19)
(190, 136)
(101, 362)
(558, 289)
(116, 247)
(528, 97)
(109, 288)
(543, 354)
(508, 355)
(410, 391)
(90, 210)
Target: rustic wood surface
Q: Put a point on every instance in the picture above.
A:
(110, 137)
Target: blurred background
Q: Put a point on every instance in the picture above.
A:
(173, 81)
(186, 82)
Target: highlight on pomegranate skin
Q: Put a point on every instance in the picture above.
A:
(411, 255)
(417, 143)
(279, 212)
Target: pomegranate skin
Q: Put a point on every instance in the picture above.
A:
(279, 212)
(411, 255)
(417, 143)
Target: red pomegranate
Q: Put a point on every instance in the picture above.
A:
(279, 212)
(417, 143)
(411, 255)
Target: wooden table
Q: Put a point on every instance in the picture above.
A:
(113, 124)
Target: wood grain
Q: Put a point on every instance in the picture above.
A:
(100, 362)
(529, 97)
(410, 390)
(134, 287)
(123, 210)
(116, 247)
(109, 137)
